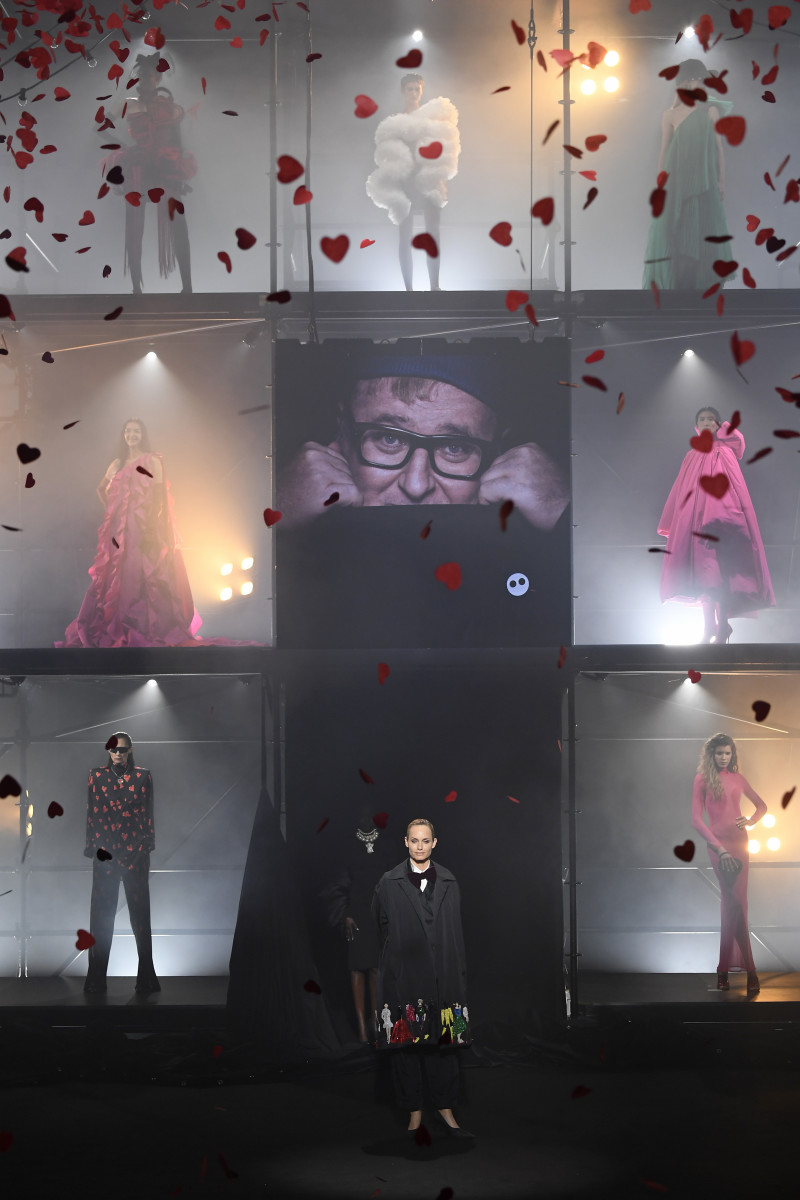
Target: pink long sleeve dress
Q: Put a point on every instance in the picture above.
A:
(733, 568)
(722, 833)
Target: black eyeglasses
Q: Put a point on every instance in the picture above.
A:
(121, 750)
(450, 454)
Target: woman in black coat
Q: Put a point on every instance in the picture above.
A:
(422, 982)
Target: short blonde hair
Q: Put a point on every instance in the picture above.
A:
(421, 821)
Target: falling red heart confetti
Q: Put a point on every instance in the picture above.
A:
(384, 672)
(544, 209)
(759, 454)
(735, 420)
(580, 1091)
(506, 509)
(289, 169)
(519, 32)
(575, 151)
(761, 709)
(225, 258)
(54, 809)
(695, 676)
(432, 150)
(588, 175)
(778, 15)
(367, 778)
(591, 196)
(106, 271)
(335, 248)
(551, 129)
(426, 531)
(27, 454)
(282, 297)
(724, 268)
(450, 797)
(155, 194)
(685, 852)
(332, 499)
(562, 657)
(753, 222)
(60, 237)
(112, 316)
(8, 784)
(715, 485)
(785, 433)
(271, 517)
(787, 797)
(15, 259)
(61, 93)
(216, 1051)
(505, 88)
(311, 985)
(365, 106)
(302, 195)
(513, 799)
(747, 278)
(154, 37)
(449, 574)
(732, 128)
(409, 61)
(764, 235)
(542, 61)
(501, 233)
(703, 442)
(366, 242)
(380, 820)
(245, 239)
(85, 940)
(593, 381)
(595, 141)
(658, 198)
(144, 471)
(424, 241)
(229, 112)
(87, 218)
(310, 58)
(104, 856)
(595, 356)
(322, 824)
(515, 300)
(530, 313)
(29, 481)
(742, 349)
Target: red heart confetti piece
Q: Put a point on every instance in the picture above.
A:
(591, 195)
(542, 61)
(302, 195)
(332, 499)
(335, 248)
(658, 199)
(27, 454)
(311, 985)
(580, 1091)
(61, 93)
(550, 130)
(322, 824)
(216, 1051)
(792, 192)
(310, 58)
(669, 72)
(289, 169)
(592, 175)
(764, 235)
(703, 442)
(112, 316)
(144, 471)
(562, 657)
(501, 233)
(15, 259)
(748, 278)
(595, 356)
(785, 433)
(519, 32)
(735, 420)
(742, 20)
(271, 517)
(104, 856)
(787, 797)
(506, 509)
(54, 809)
(380, 820)
(595, 141)
(154, 37)
(449, 574)
(759, 454)
(383, 672)
(789, 397)
(593, 381)
(367, 778)
(410, 61)
(365, 106)
(574, 151)
(12, 528)
(424, 241)
(29, 481)
(225, 258)
(695, 676)
(544, 209)
(778, 15)
(87, 218)
(685, 852)
(724, 268)
(85, 940)
(636, 6)
(450, 797)
(230, 112)
(245, 239)
(732, 128)
(60, 237)
(774, 244)
(366, 242)
(8, 784)
(761, 709)
(155, 194)
(513, 799)
(282, 297)
(515, 300)
(715, 485)
(106, 271)
(742, 349)
(530, 313)
(426, 531)
(433, 150)
(505, 88)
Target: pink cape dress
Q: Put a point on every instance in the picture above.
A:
(139, 594)
(734, 567)
(735, 953)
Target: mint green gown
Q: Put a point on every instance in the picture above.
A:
(693, 209)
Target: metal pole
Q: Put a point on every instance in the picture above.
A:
(573, 848)
(565, 32)
(273, 180)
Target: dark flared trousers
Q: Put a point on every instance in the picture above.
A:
(439, 1065)
(106, 879)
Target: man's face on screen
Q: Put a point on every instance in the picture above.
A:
(428, 407)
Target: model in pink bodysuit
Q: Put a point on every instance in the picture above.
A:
(726, 571)
(725, 831)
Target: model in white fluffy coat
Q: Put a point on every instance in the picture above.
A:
(399, 165)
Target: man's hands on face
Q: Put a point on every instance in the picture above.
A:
(529, 477)
(310, 479)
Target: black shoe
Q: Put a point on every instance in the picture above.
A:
(458, 1132)
(148, 985)
(95, 987)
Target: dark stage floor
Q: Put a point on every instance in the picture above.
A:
(599, 989)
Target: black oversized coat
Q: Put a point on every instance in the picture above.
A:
(422, 974)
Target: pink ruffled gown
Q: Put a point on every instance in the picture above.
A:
(722, 833)
(733, 568)
(139, 594)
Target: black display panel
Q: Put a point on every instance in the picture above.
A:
(395, 469)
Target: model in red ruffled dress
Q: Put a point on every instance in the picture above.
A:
(715, 555)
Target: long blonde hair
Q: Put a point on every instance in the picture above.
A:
(707, 767)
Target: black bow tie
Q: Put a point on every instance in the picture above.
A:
(417, 877)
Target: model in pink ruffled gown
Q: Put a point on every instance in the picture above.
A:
(718, 789)
(726, 570)
(139, 594)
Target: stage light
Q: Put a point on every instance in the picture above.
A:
(773, 843)
(30, 812)
(91, 62)
(226, 568)
(611, 84)
(417, 35)
(246, 588)
(226, 593)
(151, 356)
(688, 31)
(768, 821)
(152, 683)
(611, 59)
(247, 564)
(688, 354)
(753, 846)
(588, 87)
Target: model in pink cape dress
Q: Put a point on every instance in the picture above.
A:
(722, 833)
(140, 593)
(729, 565)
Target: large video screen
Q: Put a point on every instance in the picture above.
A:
(423, 493)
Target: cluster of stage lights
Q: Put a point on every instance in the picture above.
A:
(610, 83)
(773, 843)
(245, 587)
